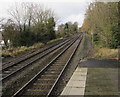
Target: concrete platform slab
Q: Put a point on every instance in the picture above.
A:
(81, 73)
(102, 77)
(82, 78)
(81, 70)
(73, 91)
(77, 84)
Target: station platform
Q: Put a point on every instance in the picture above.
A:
(76, 85)
(94, 78)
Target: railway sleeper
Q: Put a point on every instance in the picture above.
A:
(48, 72)
(36, 92)
(44, 82)
(40, 87)
(3, 75)
(59, 61)
(58, 64)
(49, 77)
(54, 69)
(12, 69)
(6, 72)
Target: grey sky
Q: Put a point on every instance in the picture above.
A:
(72, 10)
(69, 11)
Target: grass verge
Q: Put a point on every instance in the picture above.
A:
(12, 52)
(105, 53)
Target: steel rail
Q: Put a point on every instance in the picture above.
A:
(30, 56)
(60, 75)
(28, 64)
(21, 58)
(39, 73)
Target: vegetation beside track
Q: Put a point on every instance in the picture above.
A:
(105, 53)
(95, 51)
(12, 52)
(102, 24)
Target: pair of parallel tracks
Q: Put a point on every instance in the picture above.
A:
(22, 63)
(24, 57)
(45, 81)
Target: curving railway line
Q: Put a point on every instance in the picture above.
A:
(15, 67)
(45, 81)
(25, 57)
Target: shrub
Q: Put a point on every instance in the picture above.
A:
(105, 53)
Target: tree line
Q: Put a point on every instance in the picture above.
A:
(30, 23)
(102, 21)
(67, 29)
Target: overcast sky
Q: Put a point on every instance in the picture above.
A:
(66, 10)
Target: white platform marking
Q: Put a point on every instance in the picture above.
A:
(76, 85)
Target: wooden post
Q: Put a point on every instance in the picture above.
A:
(118, 52)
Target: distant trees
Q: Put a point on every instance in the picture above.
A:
(50, 28)
(9, 32)
(68, 28)
(30, 23)
(102, 19)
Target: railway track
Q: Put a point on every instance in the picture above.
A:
(45, 81)
(24, 57)
(16, 67)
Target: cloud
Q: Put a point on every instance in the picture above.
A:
(46, 1)
(69, 11)
(66, 10)
(75, 18)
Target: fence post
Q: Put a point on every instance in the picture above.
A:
(118, 52)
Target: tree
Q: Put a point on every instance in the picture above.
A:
(10, 33)
(66, 28)
(75, 27)
(32, 20)
(101, 18)
(50, 28)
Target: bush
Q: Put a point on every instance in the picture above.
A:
(105, 53)
(12, 52)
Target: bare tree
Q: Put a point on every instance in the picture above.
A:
(32, 18)
(30, 13)
(2, 19)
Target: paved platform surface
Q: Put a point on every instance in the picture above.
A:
(76, 85)
(95, 78)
